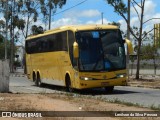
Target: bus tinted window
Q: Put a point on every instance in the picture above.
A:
(54, 42)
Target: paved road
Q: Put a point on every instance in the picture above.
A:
(143, 96)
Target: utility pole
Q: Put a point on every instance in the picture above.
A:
(102, 17)
(12, 38)
(128, 37)
(5, 43)
(128, 32)
(49, 27)
(11, 42)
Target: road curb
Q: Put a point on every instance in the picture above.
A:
(142, 86)
(17, 75)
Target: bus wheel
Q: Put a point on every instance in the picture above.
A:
(109, 89)
(38, 81)
(34, 77)
(68, 85)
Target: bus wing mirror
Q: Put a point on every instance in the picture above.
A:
(75, 50)
(129, 46)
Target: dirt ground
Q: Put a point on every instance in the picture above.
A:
(146, 81)
(63, 102)
(67, 102)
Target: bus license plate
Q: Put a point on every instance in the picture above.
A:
(104, 83)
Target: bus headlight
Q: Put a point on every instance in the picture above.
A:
(121, 75)
(86, 78)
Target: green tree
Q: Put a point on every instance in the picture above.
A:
(49, 7)
(1, 38)
(20, 14)
(149, 52)
(121, 9)
(15, 17)
(115, 23)
(37, 29)
(2, 24)
(2, 48)
(29, 10)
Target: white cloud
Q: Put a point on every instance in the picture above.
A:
(149, 8)
(134, 21)
(149, 13)
(65, 21)
(157, 15)
(83, 13)
(71, 21)
(105, 21)
(90, 13)
(123, 25)
(2, 18)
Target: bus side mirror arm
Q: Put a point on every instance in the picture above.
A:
(75, 50)
(129, 46)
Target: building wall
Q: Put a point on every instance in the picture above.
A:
(4, 76)
(157, 35)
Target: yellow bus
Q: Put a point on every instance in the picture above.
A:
(78, 57)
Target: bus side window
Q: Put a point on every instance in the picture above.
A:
(61, 41)
(27, 47)
(46, 43)
(33, 46)
(40, 46)
(64, 41)
(52, 43)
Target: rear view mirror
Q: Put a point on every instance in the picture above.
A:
(75, 50)
(129, 46)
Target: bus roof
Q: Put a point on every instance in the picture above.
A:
(73, 28)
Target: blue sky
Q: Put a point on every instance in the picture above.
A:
(90, 12)
(99, 5)
(95, 6)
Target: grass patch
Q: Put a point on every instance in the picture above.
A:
(125, 103)
(153, 107)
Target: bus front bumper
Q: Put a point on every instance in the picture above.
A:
(102, 83)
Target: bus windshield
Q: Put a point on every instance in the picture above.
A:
(101, 50)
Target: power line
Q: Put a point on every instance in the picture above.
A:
(70, 7)
(67, 9)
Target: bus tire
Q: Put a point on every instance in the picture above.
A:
(34, 77)
(38, 80)
(68, 84)
(109, 89)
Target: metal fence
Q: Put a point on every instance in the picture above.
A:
(147, 67)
